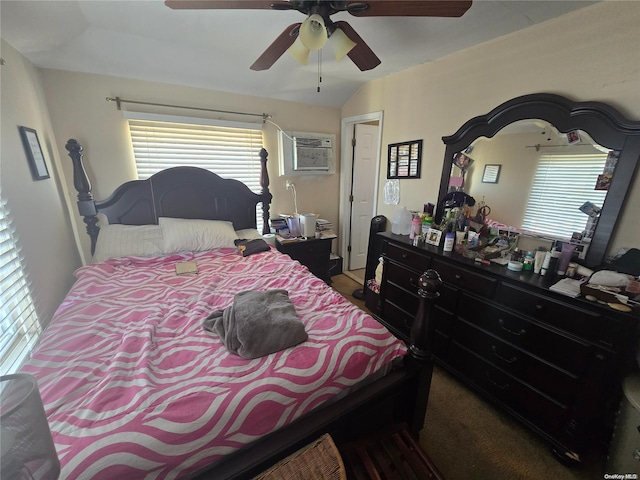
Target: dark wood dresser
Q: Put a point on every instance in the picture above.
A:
(314, 253)
(554, 362)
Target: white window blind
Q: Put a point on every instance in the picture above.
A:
(18, 320)
(562, 183)
(231, 150)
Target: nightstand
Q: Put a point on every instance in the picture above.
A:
(314, 253)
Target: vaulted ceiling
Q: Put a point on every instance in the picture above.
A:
(214, 49)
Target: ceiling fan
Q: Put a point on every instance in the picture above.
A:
(318, 29)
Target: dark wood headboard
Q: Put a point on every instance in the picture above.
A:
(178, 192)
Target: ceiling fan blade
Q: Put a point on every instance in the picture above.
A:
(219, 4)
(277, 48)
(361, 54)
(409, 8)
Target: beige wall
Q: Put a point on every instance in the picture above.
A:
(78, 107)
(518, 156)
(506, 198)
(591, 54)
(39, 214)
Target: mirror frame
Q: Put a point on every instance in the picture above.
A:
(606, 126)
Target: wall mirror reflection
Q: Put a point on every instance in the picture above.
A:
(523, 133)
(546, 177)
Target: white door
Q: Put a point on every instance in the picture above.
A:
(365, 164)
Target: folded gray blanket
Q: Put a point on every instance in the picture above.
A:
(257, 323)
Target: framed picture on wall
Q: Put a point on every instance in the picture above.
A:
(491, 173)
(35, 157)
(404, 159)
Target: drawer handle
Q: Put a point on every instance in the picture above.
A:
(404, 255)
(518, 333)
(502, 386)
(504, 359)
(413, 283)
(539, 307)
(458, 276)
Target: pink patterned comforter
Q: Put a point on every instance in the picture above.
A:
(134, 387)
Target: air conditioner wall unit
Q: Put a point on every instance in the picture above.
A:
(304, 153)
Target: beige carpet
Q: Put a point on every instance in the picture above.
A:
(467, 438)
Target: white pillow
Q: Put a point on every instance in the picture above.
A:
(248, 234)
(196, 235)
(128, 240)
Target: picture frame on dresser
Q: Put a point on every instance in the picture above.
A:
(35, 157)
(433, 236)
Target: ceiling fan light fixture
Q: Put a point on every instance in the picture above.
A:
(340, 43)
(313, 32)
(298, 51)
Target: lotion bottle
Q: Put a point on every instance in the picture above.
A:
(565, 257)
(553, 261)
(449, 240)
(545, 263)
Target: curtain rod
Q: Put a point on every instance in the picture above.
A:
(539, 146)
(119, 101)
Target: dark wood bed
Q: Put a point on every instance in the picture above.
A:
(179, 192)
(189, 192)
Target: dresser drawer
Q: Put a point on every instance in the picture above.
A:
(531, 404)
(372, 301)
(402, 277)
(400, 308)
(440, 345)
(411, 258)
(405, 279)
(582, 322)
(565, 352)
(397, 317)
(401, 322)
(306, 249)
(557, 384)
(448, 299)
(408, 301)
(465, 279)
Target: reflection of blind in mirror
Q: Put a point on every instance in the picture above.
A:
(562, 183)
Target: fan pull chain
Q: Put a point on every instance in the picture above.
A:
(319, 69)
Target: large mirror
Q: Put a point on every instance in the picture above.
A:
(534, 178)
(547, 165)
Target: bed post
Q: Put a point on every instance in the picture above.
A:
(266, 195)
(422, 331)
(86, 205)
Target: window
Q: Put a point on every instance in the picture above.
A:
(232, 150)
(550, 210)
(18, 319)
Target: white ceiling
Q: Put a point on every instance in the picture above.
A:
(213, 49)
